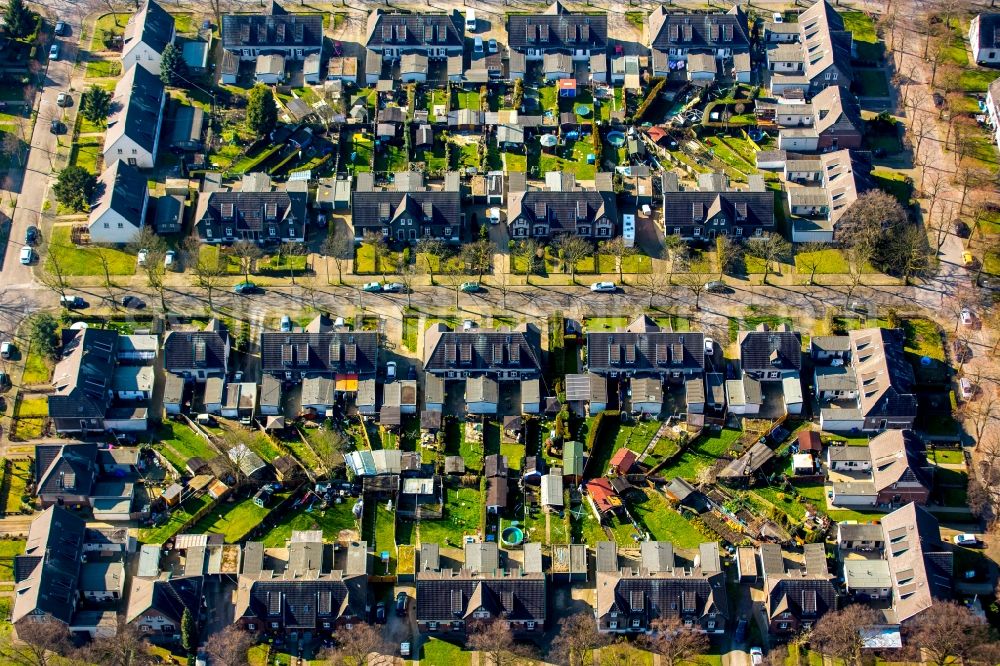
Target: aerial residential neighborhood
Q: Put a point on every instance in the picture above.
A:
(523, 333)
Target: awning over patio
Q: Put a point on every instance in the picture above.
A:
(347, 383)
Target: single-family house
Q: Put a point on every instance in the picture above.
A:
(920, 567)
(82, 396)
(135, 119)
(156, 605)
(830, 121)
(47, 574)
(842, 177)
(147, 34)
(770, 355)
(899, 472)
(121, 199)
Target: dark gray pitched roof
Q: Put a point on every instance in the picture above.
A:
(69, 468)
(82, 378)
(666, 594)
(277, 30)
(740, 207)
(376, 209)
(989, 31)
(151, 25)
(303, 603)
(657, 351)
(562, 211)
(454, 595)
(482, 349)
(412, 30)
(807, 598)
(767, 350)
(352, 352)
(698, 31)
(252, 210)
(120, 188)
(46, 574)
(167, 597)
(196, 349)
(557, 28)
(135, 108)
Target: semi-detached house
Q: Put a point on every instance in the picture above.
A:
(715, 209)
(273, 32)
(257, 212)
(675, 36)
(147, 34)
(563, 207)
(410, 210)
(809, 55)
(434, 35)
(133, 133)
(121, 200)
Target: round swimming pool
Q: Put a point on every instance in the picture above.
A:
(512, 536)
(616, 139)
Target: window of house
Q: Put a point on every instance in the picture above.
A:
(782, 625)
(272, 231)
(613, 624)
(120, 151)
(121, 225)
(432, 626)
(107, 226)
(447, 231)
(229, 231)
(208, 232)
(531, 625)
(677, 231)
(697, 231)
(274, 625)
(251, 626)
(135, 152)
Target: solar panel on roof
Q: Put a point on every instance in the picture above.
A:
(351, 353)
(466, 352)
(809, 603)
(629, 353)
(450, 350)
(615, 352)
(514, 351)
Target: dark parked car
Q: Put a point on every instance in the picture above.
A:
(401, 604)
(380, 612)
(133, 303)
(245, 288)
(961, 229)
(938, 100)
(31, 235)
(55, 127)
(963, 353)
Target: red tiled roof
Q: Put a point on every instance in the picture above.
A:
(623, 460)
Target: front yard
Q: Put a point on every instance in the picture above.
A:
(86, 260)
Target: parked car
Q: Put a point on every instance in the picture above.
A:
(968, 260)
(966, 317)
(603, 287)
(4, 381)
(141, 257)
(380, 612)
(61, 28)
(6, 350)
(401, 604)
(778, 17)
(372, 286)
(756, 656)
(63, 99)
(394, 287)
(133, 302)
(286, 324)
(961, 229)
(709, 347)
(404, 649)
(27, 255)
(966, 388)
(492, 46)
(716, 287)
(170, 259)
(55, 127)
(390, 370)
(469, 287)
(54, 51)
(31, 234)
(967, 540)
(71, 302)
(938, 100)
(245, 288)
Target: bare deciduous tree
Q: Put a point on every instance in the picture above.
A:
(126, 648)
(39, 643)
(495, 642)
(948, 632)
(838, 634)
(620, 250)
(356, 645)
(338, 247)
(229, 647)
(810, 256)
(676, 643)
(769, 247)
(577, 637)
(573, 249)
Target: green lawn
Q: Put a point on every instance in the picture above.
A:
(571, 158)
(584, 527)
(514, 453)
(36, 368)
(437, 651)
(103, 69)
(467, 99)
(410, 330)
(871, 82)
(331, 520)
(362, 147)
(869, 47)
(663, 523)
(178, 517)
(636, 435)
(948, 457)
(114, 23)
(380, 530)
(78, 261)
(700, 455)
(592, 324)
(456, 444)
(364, 261)
(16, 480)
(924, 339)
(391, 158)
(826, 261)
(548, 97)
(462, 508)
(179, 443)
(895, 184)
(789, 504)
(234, 521)
(8, 549)
(435, 98)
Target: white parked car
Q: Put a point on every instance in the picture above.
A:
(603, 286)
(778, 17)
(709, 346)
(390, 370)
(170, 259)
(756, 656)
(966, 317)
(494, 216)
(141, 257)
(967, 540)
(27, 255)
